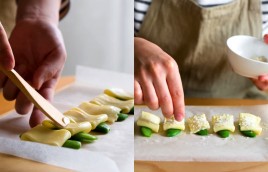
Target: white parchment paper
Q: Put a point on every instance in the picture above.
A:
(111, 152)
(191, 147)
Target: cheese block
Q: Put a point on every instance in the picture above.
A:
(197, 123)
(104, 99)
(45, 135)
(95, 109)
(251, 122)
(78, 115)
(149, 120)
(223, 122)
(119, 93)
(172, 123)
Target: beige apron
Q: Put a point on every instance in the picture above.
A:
(8, 10)
(196, 38)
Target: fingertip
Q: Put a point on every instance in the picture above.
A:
(265, 38)
(36, 118)
(179, 117)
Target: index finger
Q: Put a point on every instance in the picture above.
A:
(6, 55)
(177, 95)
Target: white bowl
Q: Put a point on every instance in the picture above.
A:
(242, 50)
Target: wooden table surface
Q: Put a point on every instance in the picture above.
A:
(11, 163)
(153, 166)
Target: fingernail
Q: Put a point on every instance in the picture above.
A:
(179, 117)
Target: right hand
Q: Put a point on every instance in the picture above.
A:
(157, 80)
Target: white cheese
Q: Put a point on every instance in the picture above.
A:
(251, 122)
(197, 123)
(172, 123)
(149, 120)
(223, 122)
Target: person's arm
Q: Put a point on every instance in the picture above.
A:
(47, 10)
(157, 79)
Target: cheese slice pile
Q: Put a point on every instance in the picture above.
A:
(95, 109)
(77, 115)
(104, 99)
(149, 120)
(119, 93)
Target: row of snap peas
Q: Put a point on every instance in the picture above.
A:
(75, 141)
(147, 132)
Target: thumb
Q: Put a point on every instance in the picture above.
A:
(6, 56)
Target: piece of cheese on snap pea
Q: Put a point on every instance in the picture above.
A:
(149, 120)
(104, 99)
(197, 123)
(74, 128)
(172, 123)
(223, 122)
(119, 93)
(78, 115)
(251, 122)
(45, 135)
(95, 109)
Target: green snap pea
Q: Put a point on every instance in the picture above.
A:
(131, 111)
(145, 131)
(122, 116)
(74, 144)
(172, 132)
(103, 128)
(223, 133)
(248, 133)
(202, 132)
(84, 137)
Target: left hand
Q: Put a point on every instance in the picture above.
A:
(262, 81)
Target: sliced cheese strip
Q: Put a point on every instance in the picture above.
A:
(149, 120)
(223, 122)
(95, 109)
(44, 135)
(119, 93)
(75, 128)
(104, 99)
(78, 115)
(197, 123)
(251, 122)
(171, 123)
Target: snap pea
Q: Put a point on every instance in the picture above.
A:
(172, 132)
(84, 137)
(223, 133)
(74, 144)
(145, 131)
(202, 132)
(103, 128)
(121, 116)
(131, 111)
(248, 133)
